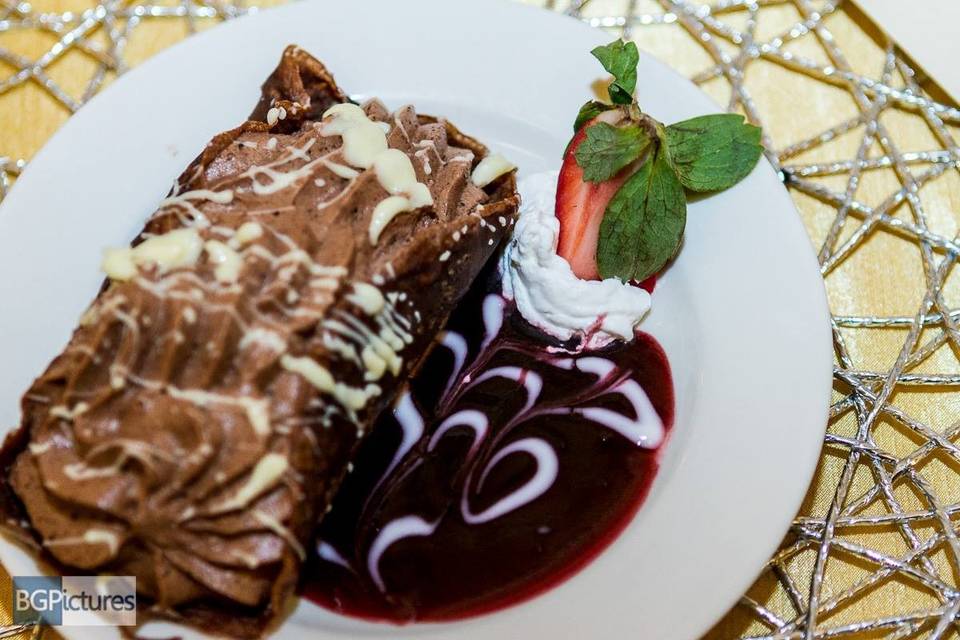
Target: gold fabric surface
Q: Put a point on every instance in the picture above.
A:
(881, 566)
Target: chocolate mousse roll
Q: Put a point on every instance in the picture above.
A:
(193, 431)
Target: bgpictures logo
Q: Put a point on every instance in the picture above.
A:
(81, 601)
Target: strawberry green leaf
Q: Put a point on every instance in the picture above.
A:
(620, 59)
(588, 112)
(607, 149)
(643, 224)
(715, 152)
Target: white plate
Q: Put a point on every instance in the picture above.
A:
(742, 314)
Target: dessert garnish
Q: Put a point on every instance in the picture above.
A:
(614, 215)
(547, 292)
(621, 197)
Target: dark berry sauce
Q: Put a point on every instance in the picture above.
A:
(510, 464)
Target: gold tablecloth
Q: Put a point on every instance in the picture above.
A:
(867, 147)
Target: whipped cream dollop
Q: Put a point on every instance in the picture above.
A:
(547, 293)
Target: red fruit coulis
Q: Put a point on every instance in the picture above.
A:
(510, 463)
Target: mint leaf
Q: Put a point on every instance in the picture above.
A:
(607, 149)
(588, 112)
(712, 153)
(643, 224)
(620, 59)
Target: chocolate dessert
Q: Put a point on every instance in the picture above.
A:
(193, 431)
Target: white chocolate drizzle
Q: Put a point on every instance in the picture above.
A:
(91, 536)
(385, 211)
(228, 262)
(340, 170)
(367, 297)
(144, 452)
(363, 140)
(257, 410)
(39, 448)
(490, 168)
(268, 471)
(64, 413)
(186, 200)
(279, 180)
(276, 114)
(365, 146)
(246, 233)
(351, 398)
(396, 175)
(281, 531)
(263, 337)
(342, 348)
(173, 250)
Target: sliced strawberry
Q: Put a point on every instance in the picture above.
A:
(580, 209)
